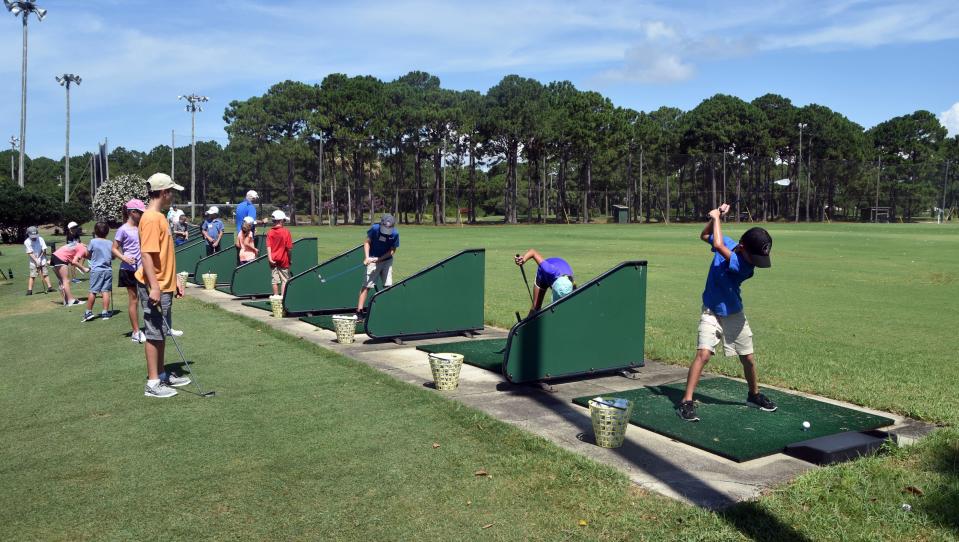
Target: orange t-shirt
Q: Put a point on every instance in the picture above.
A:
(157, 244)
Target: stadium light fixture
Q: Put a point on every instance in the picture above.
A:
(23, 9)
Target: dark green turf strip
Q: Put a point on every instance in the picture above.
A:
(731, 429)
(326, 322)
(265, 305)
(485, 353)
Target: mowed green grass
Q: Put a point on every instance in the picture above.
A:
(301, 443)
(859, 312)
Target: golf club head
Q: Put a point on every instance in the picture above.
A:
(210, 393)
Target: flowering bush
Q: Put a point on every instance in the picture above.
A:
(110, 198)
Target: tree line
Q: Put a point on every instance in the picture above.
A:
(527, 151)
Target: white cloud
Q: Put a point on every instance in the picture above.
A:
(950, 119)
(649, 64)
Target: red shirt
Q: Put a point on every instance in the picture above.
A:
(280, 242)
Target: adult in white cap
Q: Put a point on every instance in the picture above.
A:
(36, 249)
(246, 209)
(157, 285)
(212, 230)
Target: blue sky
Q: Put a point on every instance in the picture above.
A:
(870, 60)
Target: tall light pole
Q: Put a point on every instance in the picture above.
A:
(192, 106)
(24, 9)
(875, 212)
(65, 81)
(799, 173)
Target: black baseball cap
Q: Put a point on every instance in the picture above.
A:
(386, 224)
(758, 243)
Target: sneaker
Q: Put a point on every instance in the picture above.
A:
(177, 381)
(72, 302)
(51, 289)
(105, 315)
(687, 411)
(761, 402)
(29, 292)
(87, 316)
(74, 281)
(174, 333)
(161, 391)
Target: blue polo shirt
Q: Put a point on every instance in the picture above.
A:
(550, 270)
(243, 210)
(381, 244)
(213, 228)
(722, 295)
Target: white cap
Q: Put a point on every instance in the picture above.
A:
(72, 225)
(279, 215)
(248, 220)
(214, 210)
(252, 195)
(162, 181)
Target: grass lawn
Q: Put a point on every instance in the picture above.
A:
(301, 443)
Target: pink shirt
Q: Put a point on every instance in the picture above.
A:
(72, 253)
(247, 248)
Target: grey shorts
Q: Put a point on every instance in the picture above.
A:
(152, 314)
(379, 270)
(101, 280)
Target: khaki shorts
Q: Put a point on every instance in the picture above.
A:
(379, 270)
(732, 330)
(34, 271)
(280, 275)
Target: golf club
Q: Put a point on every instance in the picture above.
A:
(354, 268)
(518, 319)
(166, 331)
(523, 271)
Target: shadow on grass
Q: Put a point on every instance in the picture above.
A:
(751, 520)
(943, 506)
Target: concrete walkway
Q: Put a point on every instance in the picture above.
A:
(655, 462)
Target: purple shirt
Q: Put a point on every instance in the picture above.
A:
(550, 270)
(128, 237)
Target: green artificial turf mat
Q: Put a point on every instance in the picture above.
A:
(485, 353)
(265, 305)
(729, 428)
(325, 321)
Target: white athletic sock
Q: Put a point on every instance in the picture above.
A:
(153, 383)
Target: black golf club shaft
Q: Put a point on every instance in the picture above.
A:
(196, 382)
(523, 271)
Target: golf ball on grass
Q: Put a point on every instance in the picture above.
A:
(806, 426)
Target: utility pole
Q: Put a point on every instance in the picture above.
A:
(945, 181)
(799, 173)
(65, 80)
(24, 9)
(14, 142)
(192, 107)
(875, 211)
(172, 153)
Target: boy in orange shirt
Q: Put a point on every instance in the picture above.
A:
(157, 284)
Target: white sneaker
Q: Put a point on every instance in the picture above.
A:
(174, 333)
(177, 381)
(161, 391)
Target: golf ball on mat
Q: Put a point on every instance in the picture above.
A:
(806, 426)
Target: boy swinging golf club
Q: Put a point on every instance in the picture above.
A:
(722, 318)
(382, 241)
(554, 274)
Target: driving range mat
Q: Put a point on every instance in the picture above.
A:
(483, 353)
(264, 305)
(325, 321)
(729, 428)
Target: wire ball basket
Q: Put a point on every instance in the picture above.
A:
(610, 417)
(345, 326)
(446, 370)
(209, 281)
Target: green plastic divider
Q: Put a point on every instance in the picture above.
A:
(253, 279)
(306, 293)
(222, 263)
(445, 298)
(600, 327)
(730, 428)
(194, 250)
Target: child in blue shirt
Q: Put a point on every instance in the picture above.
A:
(212, 230)
(101, 271)
(382, 241)
(722, 318)
(554, 274)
